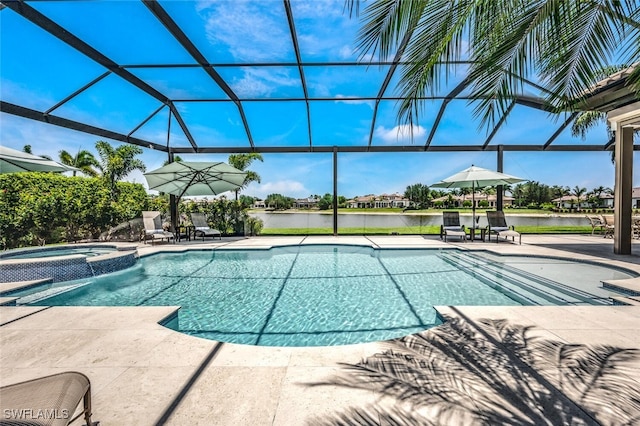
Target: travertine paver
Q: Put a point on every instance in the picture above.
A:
(142, 372)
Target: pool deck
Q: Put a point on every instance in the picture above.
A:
(144, 374)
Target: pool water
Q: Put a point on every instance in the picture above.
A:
(326, 295)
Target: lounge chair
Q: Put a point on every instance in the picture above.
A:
(597, 222)
(609, 225)
(49, 400)
(451, 226)
(498, 225)
(202, 228)
(153, 227)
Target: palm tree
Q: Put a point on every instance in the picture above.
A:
(241, 162)
(117, 163)
(176, 158)
(563, 45)
(83, 160)
(578, 193)
(598, 191)
(27, 149)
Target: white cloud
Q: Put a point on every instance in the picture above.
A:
(346, 52)
(289, 188)
(400, 133)
(348, 100)
(264, 32)
(258, 82)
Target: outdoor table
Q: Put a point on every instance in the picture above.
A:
(473, 231)
(188, 230)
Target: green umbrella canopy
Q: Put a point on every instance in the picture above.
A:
(12, 161)
(476, 177)
(186, 178)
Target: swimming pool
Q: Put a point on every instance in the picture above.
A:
(329, 295)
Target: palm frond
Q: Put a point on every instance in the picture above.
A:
(570, 60)
(586, 121)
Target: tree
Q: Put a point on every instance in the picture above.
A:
(27, 149)
(326, 202)
(241, 162)
(419, 194)
(559, 191)
(176, 158)
(117, 163)
(563, 45)
(279, 201)
(578, 193)
(83, 160)
(246, 201)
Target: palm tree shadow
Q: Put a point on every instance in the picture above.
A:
(490, 372)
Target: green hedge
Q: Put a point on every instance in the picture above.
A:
(43, 208)
(228, 216)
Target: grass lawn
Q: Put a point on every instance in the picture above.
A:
(417, 230)
(480, 212)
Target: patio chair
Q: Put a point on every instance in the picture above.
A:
(153, 227)
(498, 225)
(451, 226)
(597, 222)
(609, 225)
(202, 228)
(50, 400)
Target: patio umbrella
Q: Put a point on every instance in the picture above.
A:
(187, 178)
(476, 177)
(12, 161)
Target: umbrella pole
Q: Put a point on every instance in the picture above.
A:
(473, 204)
(173, 209)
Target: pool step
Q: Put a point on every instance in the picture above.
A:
(8, 288)
(49, 292)
(523, 285)
(629, 286)
(504, 281)
(625, 301)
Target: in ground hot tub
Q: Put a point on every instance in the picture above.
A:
(65, 262)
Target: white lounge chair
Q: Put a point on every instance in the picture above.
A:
(153, 227)
(202, 228)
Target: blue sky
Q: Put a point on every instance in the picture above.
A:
(39, 71)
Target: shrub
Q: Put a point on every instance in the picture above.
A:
(254, 225)
(548, 206)
(39, 208)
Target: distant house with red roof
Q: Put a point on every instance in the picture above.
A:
(379, 201)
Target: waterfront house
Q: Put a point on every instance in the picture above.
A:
(379, 201)
(458, 200)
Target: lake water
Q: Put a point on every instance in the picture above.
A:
(381, 220)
